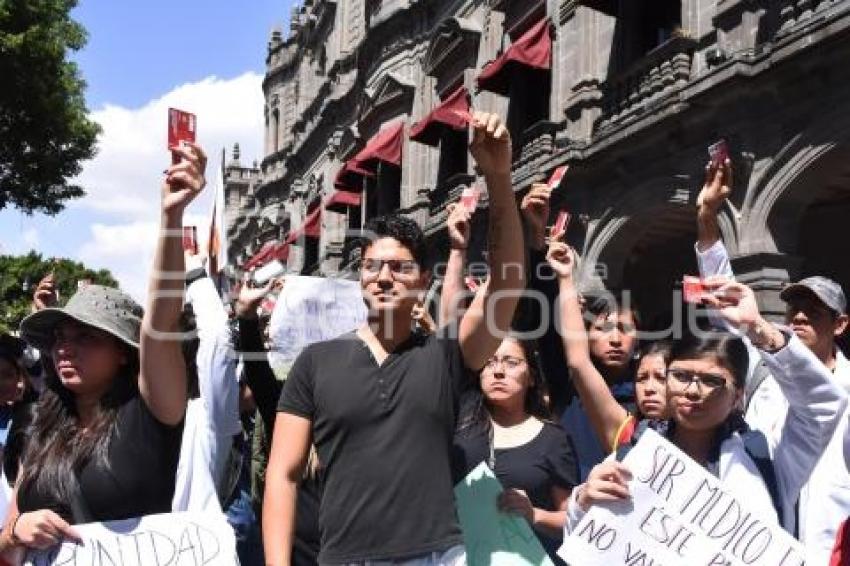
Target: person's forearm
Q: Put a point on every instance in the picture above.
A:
(708, 228)
(549, 523)
(506, 249)
(604, 412)
(453, 287)
(258, 373)
(165, 292)
(278, 518)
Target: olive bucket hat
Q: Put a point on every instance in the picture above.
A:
(100, 307)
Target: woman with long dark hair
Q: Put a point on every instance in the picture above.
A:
(106, 437)
(505, 423)
(705, 384)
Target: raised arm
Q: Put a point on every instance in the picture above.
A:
(453, 289)
(258, 373)
(216, 360)
(162, 379)
(481, 334)
(715, 191)
(605, 413)
(816, 402)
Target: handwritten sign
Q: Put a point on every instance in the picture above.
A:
(174, 539)
(492, 537)
(678, 514)
(312, 309)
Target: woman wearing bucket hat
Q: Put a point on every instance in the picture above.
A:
(106, 438)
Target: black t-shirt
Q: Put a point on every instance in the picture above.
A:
(547, 461)
(384, 436)
(143, 455)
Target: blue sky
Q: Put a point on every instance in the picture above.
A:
(206, 56)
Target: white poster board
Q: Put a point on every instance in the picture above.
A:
(173, 539)
(312, 309)
(678, 514)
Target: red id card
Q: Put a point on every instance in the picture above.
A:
(181, 127)
(190, 239)
(471, 283)
(561, 222)
(469, 198)
(465, 116)
(557, 177)
(693, 289)
(719, 153)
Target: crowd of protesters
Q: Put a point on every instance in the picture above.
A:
(112, 411)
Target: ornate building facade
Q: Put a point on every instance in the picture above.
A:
(628, 93)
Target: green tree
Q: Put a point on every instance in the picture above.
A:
(45, 132)
(19, 276)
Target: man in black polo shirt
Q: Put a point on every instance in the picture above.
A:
(379, 403)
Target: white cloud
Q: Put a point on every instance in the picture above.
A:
(123, 180)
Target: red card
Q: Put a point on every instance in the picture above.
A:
(469, 198)
(190, 239)
(181, 127)
(719, 153)
(561, 222)
(268, 304)
(557, 176)
(465, 116)
(471, 283)
(693, 289)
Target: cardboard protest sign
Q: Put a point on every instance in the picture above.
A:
(678, 514)
(174, 539)
(493, 538)
(312, 309)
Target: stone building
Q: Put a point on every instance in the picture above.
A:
(629, 93)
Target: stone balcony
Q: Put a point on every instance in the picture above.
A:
(647, 84)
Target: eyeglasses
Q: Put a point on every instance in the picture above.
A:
(402, 267)
(706, 382)
(508, 362)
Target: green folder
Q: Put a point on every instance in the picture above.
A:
(493, 538)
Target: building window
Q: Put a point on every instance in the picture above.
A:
(530, 95)
(275, 132)
(311, 255)
(643, 26)
(383, 191)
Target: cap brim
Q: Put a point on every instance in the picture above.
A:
(796, 289)
(38, 328)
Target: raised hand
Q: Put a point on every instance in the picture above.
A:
(45, 293)
(250, 297)
(734, 301)
(535, 210)
(422, 317)
(185, 180)
(561, 257)
(717, 187)
(491, 144)
(458, 226)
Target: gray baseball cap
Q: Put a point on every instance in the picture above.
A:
(826, 290)
(101, 307)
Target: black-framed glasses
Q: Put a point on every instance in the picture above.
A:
(508, 362)
(706, 382)
(405, 267)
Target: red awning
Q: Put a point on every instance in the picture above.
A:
(311, 228)
(532, 50)
(341, 200)
(281, 252)
(384, 146)
(448, 114)
(262, 256)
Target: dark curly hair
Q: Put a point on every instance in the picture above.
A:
(401, 228)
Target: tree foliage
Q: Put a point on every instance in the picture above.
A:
(19, 276)
(45, 132)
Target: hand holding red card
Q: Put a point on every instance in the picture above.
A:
(190, 239)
